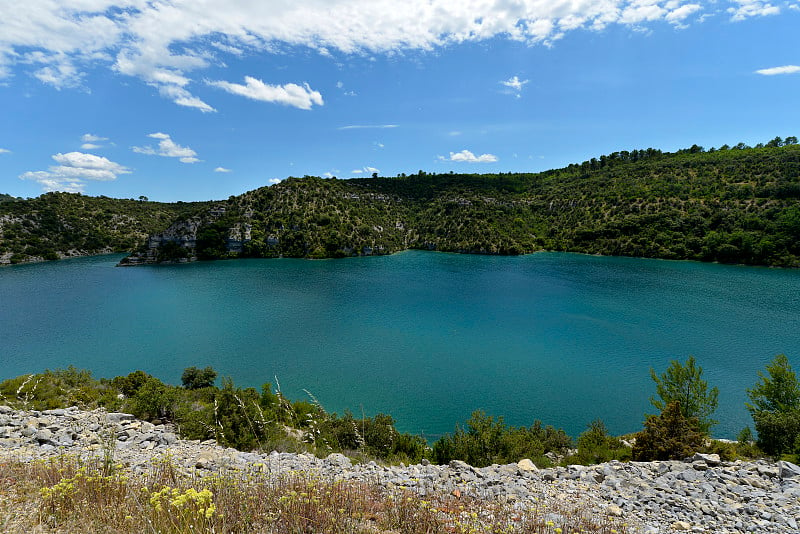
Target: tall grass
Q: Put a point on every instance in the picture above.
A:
(68, 495)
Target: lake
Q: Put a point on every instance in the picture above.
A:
(426, 337)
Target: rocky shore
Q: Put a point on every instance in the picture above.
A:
(700, 494)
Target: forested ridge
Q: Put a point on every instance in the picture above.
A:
(56, 225)
(733, 204)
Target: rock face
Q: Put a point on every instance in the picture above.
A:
(702, 494)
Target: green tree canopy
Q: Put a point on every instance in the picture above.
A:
(194, 378)
(778, 392)
(683, 383)
(775, 407)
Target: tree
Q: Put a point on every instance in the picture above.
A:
(194, 378)
(669, 436)
(775, 408)
(779, 392)
(684, 384)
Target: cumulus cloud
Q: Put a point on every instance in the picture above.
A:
(290, 94)
(222, 169)
(365, 170)
(73, 170)
(165, 43)
(786, 69)
(469, 157)
(679, 15)
(168, 149)
(514, 85)
(745, 9)
(90, 141)
(273, 181)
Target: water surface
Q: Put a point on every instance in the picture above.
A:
(426, 337)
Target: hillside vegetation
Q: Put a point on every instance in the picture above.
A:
(732, 205)
(57, 225)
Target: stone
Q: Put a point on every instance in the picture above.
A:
(115, 417)
(709, 459)
(5, 409)
(614, 510)
(526, 466)
(788, 470)
(339, 460)
(681, 526)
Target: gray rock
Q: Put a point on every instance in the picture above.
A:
(788, 470)
(709, 459)
(339, 460)
(115, 417)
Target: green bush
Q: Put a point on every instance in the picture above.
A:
(668, 436)
(775, 408)
(596, 446)
(487, 440)
(194, 378)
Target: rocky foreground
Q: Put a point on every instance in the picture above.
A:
(701, 494)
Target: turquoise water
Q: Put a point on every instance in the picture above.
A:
(426, 337)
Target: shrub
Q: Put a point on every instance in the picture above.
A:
(775, 408)
(596, 446)
(684, 384)
(669, 436)
(487, 440)
(194, 378)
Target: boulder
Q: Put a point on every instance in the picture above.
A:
(527, 466)
(339, 460)
(788, 470)
(709, 459)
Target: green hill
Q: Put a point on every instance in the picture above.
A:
(57, 225)
(733, 205)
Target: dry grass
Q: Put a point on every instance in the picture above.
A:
(67, 495)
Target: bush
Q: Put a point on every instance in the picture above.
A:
(683, 383)
(775, 408)
(194, 378)
(669, 436)
(596, 446)
(487, 440)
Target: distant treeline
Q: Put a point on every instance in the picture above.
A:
(732, 204)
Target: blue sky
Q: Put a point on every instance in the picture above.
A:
(203, 99)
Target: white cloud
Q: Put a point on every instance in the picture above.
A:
(290, 94)
(222, 169)
(165, 43)
(469, 157)
(745, 9)
(679, 14)
(786, 69)
(73, 170)
(91, 138)
(90, 141)
(365, 170)
(168, 149)
(366, 126)
(274, 181)
(5, 151)
(515, 85)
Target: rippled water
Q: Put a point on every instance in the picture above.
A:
(426, 337)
